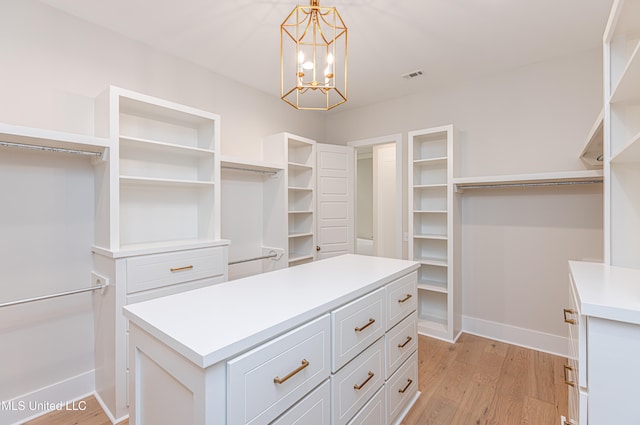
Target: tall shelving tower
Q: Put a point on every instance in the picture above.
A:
(434, 230)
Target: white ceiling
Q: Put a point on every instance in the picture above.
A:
(450, 40)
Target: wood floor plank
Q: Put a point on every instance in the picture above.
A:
(541, 377)
(538, 412)
(88, 412)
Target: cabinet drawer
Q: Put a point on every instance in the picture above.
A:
(356, 326)
(400, 342)
(354, 385)
(266, 381)
(401, 388)
(314, 409)
(401, 298)
(373, 413)
(157, 270)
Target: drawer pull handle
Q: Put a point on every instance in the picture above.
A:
(369, 323)
(304, 364)
(568, 320)
(358, 387)
(179, 269)
(568, 368)
(405, 299)
(406, 387)
(404, 344)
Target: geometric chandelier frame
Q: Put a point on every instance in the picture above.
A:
(314, 58)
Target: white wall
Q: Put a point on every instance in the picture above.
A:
(515, 242)
(46, 231)
(52, 66)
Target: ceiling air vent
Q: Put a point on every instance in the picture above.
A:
(413, 74)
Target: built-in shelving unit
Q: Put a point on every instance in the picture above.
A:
(434, 231)
(157, 226)
(298, 153)
(167, 172)
(622, 134)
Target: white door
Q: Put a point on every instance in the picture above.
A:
(335, 200)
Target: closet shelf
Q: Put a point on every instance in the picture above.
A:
(308, 189)
(432, 286)
(294, 257)
(155, 145)
(434, 236)
(299, 235)
(52, 139)
(430, 211)
(151, 181)
(300, 166)
(629, 153)
(132, 250)
(562, 177)
(430, 186)
(441, 262)
(434, 326)
(628, 87)
(250, 165)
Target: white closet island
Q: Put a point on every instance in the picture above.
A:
(328, 342)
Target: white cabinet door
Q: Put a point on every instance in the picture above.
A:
(335, 200)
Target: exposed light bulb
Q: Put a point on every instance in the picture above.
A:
(300, 57)
(330, 58)
(308, 65)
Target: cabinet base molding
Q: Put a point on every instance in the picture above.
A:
(405, 411)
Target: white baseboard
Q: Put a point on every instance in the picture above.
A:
(107, 411)
(62, 395)
(540, 341)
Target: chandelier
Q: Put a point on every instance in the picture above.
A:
(313, 58)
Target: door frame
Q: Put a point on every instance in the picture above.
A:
(382, 140)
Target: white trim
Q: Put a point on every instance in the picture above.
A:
(528, 338)
(106, 410)
(17, 411)
(402, 415)
(397, 139)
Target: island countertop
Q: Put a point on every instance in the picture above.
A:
(211, 324)
(607, 292)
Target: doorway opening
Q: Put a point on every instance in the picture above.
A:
(378, 218)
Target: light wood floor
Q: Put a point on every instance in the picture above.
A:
(475, 381)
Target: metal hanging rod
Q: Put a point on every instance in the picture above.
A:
(532, 184)
(272, 254)
(49, 149)
(250, 170)
(60, 294)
